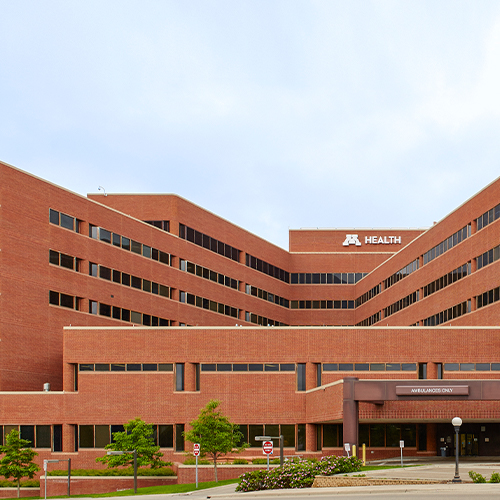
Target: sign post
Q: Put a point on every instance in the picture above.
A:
(196, 453)
(401, 445)
(282, 444)
(267, 449)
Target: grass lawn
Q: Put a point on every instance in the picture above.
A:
(382, 467)
(156, 490)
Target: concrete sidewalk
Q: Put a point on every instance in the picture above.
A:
(440, 471)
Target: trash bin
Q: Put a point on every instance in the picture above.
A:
(443, 451)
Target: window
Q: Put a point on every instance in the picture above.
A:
(332, 436)
(447, 244)
(179, 437)
(63, 300)
(104, 235)
(63, 260)
(301, 437)
(422, 371)
(86, 436)
(266, 268)
(63, 220)
(179, 376)
(57, 438)
(166, 436)
(301, 376)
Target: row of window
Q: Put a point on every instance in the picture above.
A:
(326, 278)
(488, 257)
(442, 282)
(99, 233)
(488, 217)
(270, 297)
(488, 297)
(172, 435)
(266, 268)
(208, 274)
(261, 320)
(472, 367)
(322, 304)
(401, 304)
(64, 300)
(248, 367)
(63, 260)
(447, 244)
(389, 435)
(369, 295)
(98, 436)
(374, 318)
(39, 436)
(63, 220)
(250, 433)
(127, 280)
(126, 314)
(402, 273)
(449, 314)
(373, 367)
(129, 367)
(164, 225)
(205, 241)
(194, 300)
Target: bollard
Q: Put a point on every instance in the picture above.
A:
(364, 454)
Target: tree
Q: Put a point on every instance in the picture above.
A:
(214, 432)
(138, 435)
(18, 459)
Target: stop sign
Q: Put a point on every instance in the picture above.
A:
(196, 449)
(267, 447)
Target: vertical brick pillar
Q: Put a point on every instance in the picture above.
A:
(310, 376)
(350, 413)
(68, 438)
(311, 444)
(432, 371)
(174, 261)
(189, 377)
(431, 438)
(69, 377)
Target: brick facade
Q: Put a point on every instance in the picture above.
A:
(270, 363)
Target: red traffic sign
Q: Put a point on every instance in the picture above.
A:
(267, 447)
(196, 449)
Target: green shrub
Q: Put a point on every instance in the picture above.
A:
(259, 461)
(330, 465)
(192, 461)
(296, 473)
(495, 478)
(252, 481)
(128, 471)
(29, 483)
(240, 461)
(476, 477)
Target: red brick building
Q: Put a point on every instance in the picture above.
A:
(148, 305)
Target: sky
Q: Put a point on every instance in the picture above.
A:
(274, 115)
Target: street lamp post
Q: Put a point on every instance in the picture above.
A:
(456, 422)
(135, 464)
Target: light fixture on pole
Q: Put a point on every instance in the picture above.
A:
(456, 422)
(111, 452)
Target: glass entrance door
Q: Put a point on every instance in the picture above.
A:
(468, 444)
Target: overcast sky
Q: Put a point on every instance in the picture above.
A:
(271, 114)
